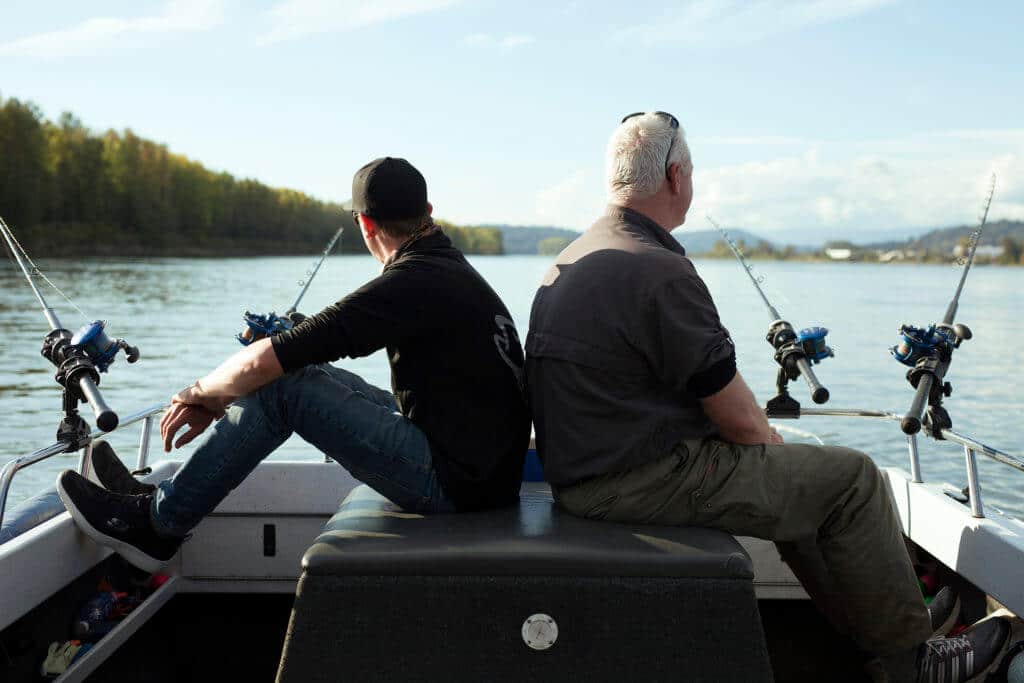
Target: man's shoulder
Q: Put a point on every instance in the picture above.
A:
(619, 247)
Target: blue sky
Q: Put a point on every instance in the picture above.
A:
(804, 118)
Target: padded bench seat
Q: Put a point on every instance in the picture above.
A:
(389, 595)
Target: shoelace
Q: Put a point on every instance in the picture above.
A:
(948, 652)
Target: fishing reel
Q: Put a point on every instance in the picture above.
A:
(795, 352)
(259, 326)
(100, 348)
(928, 352)
(80, 358)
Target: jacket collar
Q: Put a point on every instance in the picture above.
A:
(639, 224)
(427, 241)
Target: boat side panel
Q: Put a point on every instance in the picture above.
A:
(988, 552)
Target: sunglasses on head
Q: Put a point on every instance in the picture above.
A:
(673, 123)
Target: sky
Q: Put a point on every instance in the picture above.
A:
(806, 120)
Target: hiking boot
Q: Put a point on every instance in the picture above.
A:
(971, 654)
(117, 521)
(113, 475)
(944, 610)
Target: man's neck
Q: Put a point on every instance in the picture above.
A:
(654, 208)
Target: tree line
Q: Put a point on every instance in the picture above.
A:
(66, 191)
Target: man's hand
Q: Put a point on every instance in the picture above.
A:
(196, 417)
(776, 437)
(195, 396)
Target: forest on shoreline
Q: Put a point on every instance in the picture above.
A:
(68, 191)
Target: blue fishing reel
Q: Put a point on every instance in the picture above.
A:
(259, 326)
(812, 340)
(917, 343)
(101, 349)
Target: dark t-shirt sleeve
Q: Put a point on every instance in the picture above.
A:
(690, 348)
(377, 314)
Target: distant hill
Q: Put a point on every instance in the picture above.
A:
(943, 240)
(520, 239)
(524, 239)
(703, 241)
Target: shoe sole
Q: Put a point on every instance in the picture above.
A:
(133, 555)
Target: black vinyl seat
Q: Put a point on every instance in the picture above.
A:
(389, 595)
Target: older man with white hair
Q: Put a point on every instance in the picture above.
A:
(642, 416)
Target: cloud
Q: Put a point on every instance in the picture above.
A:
(737, 22)
(297, 18)
(929, 180)
(810, 191)
(105, 33)
(509, 41)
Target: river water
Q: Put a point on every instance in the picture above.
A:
(183, 314)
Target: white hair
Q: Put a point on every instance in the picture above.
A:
(639, 152)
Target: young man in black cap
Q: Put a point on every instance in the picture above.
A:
(451, 435)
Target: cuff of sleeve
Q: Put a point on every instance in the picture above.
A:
(282, 349)
(713, 379)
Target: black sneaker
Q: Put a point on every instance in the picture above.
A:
(969, 655)
(117, 521)
(113, 475)
(944, 609)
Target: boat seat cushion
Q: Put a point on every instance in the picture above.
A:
(524, 593)
(369, 535)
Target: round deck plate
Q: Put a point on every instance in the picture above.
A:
(540, 631)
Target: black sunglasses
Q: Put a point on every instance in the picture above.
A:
(673, 123)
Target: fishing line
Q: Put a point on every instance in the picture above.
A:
(79, 357)
(258, 326)
(794, 352)
(929, 351)
(35, 269)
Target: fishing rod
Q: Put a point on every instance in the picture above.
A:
(795, 352)
(929, 351)
(258, 326)
(79, 357)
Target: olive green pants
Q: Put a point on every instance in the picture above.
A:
(826, 508)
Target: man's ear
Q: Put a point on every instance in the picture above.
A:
(675, 178)
(368, 225)
(430, 209)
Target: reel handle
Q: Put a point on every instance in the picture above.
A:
(819, 394)
(106, 419)
(911, 422)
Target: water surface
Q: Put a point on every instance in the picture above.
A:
(183, 314)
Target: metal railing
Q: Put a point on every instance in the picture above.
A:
(971, 448)
(14, 466)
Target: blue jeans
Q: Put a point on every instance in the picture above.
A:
(347, 418)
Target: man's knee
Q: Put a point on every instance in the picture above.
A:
(850, 465)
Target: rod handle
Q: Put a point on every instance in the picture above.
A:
(106, 419)
(819, 394)
(911, 422)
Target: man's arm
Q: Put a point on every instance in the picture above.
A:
(198, 405)
(242, 373)
(735, 412)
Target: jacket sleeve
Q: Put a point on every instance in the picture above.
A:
(378, 314)
(689, 349)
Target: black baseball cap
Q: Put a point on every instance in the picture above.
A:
(389, 189)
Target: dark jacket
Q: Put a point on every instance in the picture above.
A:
(624, 340)
(456, 364)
